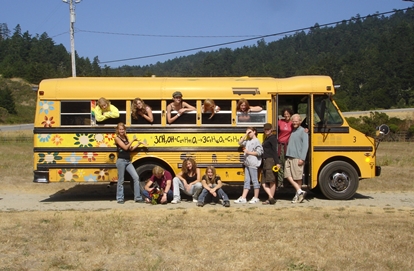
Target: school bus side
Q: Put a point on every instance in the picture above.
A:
(68, 147)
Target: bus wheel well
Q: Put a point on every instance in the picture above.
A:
(343, 159)
(144, 167)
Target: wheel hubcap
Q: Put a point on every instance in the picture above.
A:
(339, 182)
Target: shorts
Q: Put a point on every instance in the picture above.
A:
(292, 169)
(268, 175)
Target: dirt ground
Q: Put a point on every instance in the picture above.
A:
(39, 197)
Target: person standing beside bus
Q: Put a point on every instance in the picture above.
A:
(188, 181)
(105, 110)
(140, 109)
(270, 159)
(123, 163)
(252, 160)
(178, 105)
(160, 180)
(212, 186)
(297, 150)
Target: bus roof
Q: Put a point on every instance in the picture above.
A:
(191, 87)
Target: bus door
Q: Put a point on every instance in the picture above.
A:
(300, 104)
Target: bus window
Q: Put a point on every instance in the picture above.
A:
(325, 111)
(221, 117)
(252, 117)
(75, 113)
(189, 117)
(155, 106)
(121, 105)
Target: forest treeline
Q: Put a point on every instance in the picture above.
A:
(371, 58)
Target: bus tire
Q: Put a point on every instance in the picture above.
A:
(338, 180)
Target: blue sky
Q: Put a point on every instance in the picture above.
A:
(125, 29)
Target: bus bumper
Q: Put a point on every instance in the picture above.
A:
(377, 171)
(41, 176)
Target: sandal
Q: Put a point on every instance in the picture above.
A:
(272, 201)
(266, 202)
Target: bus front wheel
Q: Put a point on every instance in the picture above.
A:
(338, 180)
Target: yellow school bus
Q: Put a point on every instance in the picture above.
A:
(71, 146)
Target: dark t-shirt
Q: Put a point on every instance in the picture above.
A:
(208, 181)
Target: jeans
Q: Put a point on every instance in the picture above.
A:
(206, 194)
(179, 185)
(146, 194)
(250, 174)
(122, 165)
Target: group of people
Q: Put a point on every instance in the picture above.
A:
(105, 110)
(291, 146)
(161, 186)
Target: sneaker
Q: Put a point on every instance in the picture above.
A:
(240, 200)
(254, 200)
(295, 199)
(200, 204)
(139, 201)
(121, 201)
(301, 197)
(175, 201)
(213, 203)
(226, 203)
(195, 200)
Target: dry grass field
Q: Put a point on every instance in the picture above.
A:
(173, 238)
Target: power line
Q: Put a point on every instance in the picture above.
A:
(163, 36)
(254, 37)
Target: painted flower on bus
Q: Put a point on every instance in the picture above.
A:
(81, 172)
(48, 122)
(110, 137)
(45, 106)
(83, 140)
(68, 175)
(99, 137)
(103, 144)
(49, 158)
(90, 178)
(57, 139)
(90, 156)
(43, 137)
(102, 174)
(73, 158)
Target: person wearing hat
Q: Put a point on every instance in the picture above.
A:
(179, 106)
(270, 159)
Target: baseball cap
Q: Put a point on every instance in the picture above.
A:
(177, 94)
(267, 126)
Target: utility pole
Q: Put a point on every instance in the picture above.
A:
(72, 32)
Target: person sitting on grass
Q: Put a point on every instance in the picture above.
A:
(158, 188)
(212, 189)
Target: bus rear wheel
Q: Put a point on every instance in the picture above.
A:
(338, 180)
(144, 172)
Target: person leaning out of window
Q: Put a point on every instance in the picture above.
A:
(141, 110)
(178, 105)
(209, 106)
(105, 110)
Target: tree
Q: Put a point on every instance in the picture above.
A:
(6, 99)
